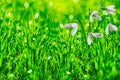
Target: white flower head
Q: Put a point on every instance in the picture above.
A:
(95, 15)
(89, 40)
(110, 9)
(74, 27)
(91, 35)
(110, 27)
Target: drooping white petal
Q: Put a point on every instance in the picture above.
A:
(110, 12)
(95, 15)
(111, 7)
(68, 25)
(107, 30)
(97, 35)
(98, 17)
(74, 27)
(89, 39)
(113, 27)
(91, 35)
(74, 30)
(110, 27)
(91, 18)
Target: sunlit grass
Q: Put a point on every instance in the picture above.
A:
(34, 45)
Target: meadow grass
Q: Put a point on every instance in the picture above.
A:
(39, 48)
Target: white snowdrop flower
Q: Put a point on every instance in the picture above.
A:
(110, 9)
(49, 57)
(110, 27)
(36, 15)
(67, 72)
(26, 4)
(74, 27)
(96, 35)
(95, 15)
(89, 40)
(29, 71)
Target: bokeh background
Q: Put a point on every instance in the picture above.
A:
(35, 46)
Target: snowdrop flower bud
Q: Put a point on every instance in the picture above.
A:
(74, 27)
(110, 27)
(110, 9)
(95, 15)
(89, 39)
(96, 35)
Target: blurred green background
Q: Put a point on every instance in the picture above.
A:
(35, 46)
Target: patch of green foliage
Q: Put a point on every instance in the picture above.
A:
(33, 46)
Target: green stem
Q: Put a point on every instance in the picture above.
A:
(82, 28)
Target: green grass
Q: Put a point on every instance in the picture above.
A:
(39, 49)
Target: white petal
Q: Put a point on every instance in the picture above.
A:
(89, 40)
(98, 17)
(74, 30)
(113, 27)
(91, 18)
(68, 25)
(71, 25)
(94, 13)
(110, 7)
(107, 30)
(97, 35)
(110, 11)
(74, 25)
